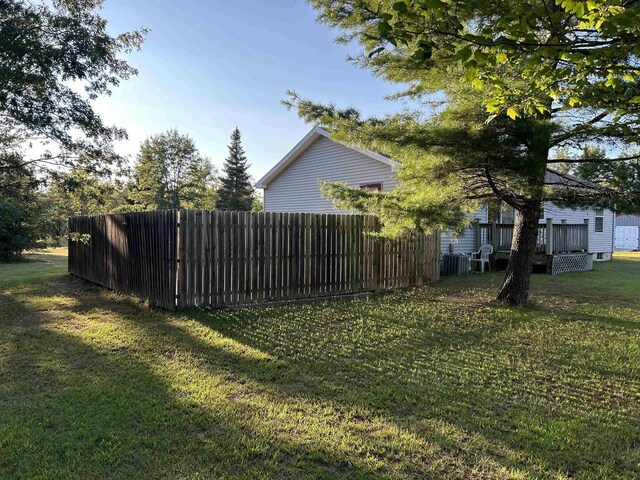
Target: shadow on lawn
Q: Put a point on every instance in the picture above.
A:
(403, 385)
(509, 393)
(77, 406)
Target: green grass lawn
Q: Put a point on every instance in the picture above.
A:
(35, 267)
(436, 382)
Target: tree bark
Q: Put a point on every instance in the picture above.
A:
(515, 286)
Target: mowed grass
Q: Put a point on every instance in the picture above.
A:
(436, 382)
(34, 267)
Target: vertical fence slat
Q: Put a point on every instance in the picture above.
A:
(199, 258)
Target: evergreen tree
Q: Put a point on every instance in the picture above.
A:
(519, 81)
(170, 173)
(236, 191)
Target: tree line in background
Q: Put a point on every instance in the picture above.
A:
(56, 153)
(500, 89)
(169, 173)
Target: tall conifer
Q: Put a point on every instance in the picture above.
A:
(236, 191)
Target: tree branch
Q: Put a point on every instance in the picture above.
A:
(594, 160)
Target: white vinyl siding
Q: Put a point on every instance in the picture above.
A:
(296, 189)
(467, 242)
(598, 241)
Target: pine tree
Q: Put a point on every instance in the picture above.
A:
(518, 81)
(236, 192)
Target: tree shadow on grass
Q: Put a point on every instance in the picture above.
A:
(534, 394)
(400, 386)
(87, 392)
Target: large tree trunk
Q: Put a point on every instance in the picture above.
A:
(515, 287)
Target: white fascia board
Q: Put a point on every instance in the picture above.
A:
(305, 143)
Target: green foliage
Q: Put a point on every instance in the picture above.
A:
(525, 58)
(170, 173)
(20, 213)
(258, 203)
(77, 192)
(55, 58)
(47, 49)
(236, 191)
(621, 176)
(16, 231)
(428, 383)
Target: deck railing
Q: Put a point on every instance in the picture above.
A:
(552, 237)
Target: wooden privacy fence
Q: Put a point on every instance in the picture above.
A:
(130, 253)
(218, 259)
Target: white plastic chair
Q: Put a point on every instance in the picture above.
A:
(482, 256)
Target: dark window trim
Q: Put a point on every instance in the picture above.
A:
(599, 228)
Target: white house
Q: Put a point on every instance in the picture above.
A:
(292, 186)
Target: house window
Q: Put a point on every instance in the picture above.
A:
(599, 220)
(507, 215)
(372, 186)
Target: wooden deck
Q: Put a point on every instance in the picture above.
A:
(559, 247)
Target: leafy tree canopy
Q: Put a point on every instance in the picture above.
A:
(20, 212)
(170, 173)
(77, 193)
(621, 176)
(55, 57)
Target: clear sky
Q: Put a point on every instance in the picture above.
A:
(209, 65)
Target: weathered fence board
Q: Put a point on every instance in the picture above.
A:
(130, 253)
(217, 259)
(264, 257)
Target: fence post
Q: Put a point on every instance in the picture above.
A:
(549, 236)
(434, 275)
(586, 221)
(476, 227)
(494, 236)
(377, 256)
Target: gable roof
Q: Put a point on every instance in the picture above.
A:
(553, 178)
(309, 139)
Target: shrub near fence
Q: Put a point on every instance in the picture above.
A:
(218, 259)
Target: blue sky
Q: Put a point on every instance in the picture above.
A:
(209, 65)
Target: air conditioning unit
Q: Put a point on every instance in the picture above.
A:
(454, 264)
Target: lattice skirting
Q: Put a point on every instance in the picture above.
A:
(574, 262)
